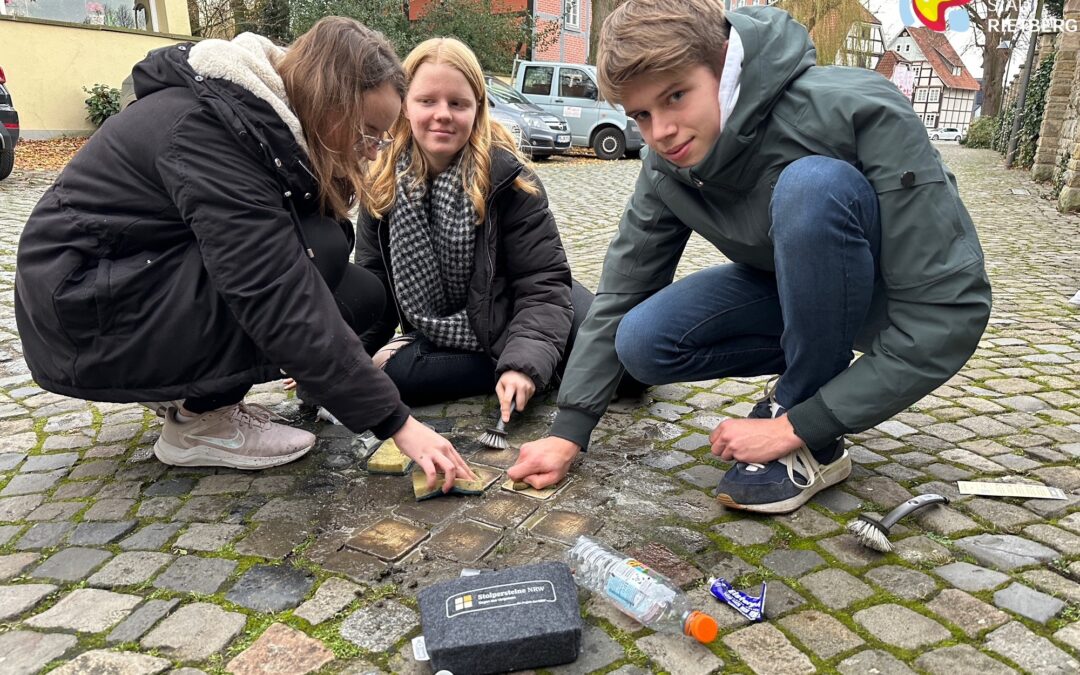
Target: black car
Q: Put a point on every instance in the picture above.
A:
(9, 129)
(540, 133)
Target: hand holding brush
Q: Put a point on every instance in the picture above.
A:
(495, 437)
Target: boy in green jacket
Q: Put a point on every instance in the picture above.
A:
(843, 229)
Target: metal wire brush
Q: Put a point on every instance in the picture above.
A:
(495, 437)
(873, 533)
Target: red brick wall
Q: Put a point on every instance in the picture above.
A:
(418, 7)
(572, 45)
(549, 7)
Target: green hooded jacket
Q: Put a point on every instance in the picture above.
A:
(933, 301)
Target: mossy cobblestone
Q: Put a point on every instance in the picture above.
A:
(87, 513)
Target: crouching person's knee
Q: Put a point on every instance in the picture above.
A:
(635, 345)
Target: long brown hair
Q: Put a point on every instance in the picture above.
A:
(476, 155)
(326, 72)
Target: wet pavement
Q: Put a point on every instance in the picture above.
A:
(110, 559)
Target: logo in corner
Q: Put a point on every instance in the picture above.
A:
(932, 14)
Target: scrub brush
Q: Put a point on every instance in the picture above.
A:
(874, 533)
(495, 437)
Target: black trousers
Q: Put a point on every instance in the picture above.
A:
(360, 295)
(426, 374)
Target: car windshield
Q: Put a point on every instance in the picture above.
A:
(504, 94)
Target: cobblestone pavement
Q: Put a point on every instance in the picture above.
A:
(109, 559)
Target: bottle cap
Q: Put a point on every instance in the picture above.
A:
(701, 627)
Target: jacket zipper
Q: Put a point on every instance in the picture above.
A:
(390, 277)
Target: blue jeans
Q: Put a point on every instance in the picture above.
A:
(800, 322)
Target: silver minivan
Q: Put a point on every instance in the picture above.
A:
(570, 91)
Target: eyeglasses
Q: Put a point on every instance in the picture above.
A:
(368, 142)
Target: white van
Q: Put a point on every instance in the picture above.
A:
(570, 91)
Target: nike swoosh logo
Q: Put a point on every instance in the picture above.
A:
(233, 443)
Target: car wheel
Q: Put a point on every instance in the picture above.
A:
(934, 137)
(7, 163)
(609, 143)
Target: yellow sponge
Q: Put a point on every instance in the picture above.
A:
(462, 486)
(523, 488)
(388, 459)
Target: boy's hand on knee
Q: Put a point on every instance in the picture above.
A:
(514, 387)
(544, 462)
(754, 440)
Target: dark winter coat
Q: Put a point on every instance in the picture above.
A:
(519, 293)
(166, 261)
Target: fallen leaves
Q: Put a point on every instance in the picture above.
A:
(50, 155)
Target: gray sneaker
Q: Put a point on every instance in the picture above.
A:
(240, 436)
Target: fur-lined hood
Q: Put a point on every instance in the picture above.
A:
(237, 80)
(249, 60)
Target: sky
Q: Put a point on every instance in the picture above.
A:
(888, 12)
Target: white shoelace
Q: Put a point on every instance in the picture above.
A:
(808, 466)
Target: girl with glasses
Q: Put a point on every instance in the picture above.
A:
(199, 244)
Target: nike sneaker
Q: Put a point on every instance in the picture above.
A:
(240, 436)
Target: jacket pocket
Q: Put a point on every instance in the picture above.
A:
(75, 304)
(926, 234)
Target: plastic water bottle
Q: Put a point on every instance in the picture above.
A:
(641, 593)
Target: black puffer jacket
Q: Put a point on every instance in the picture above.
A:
(165, 261)
(519, 294)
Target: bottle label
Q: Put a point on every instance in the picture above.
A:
(636, 593)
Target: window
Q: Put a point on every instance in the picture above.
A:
(576, 83)
(538, 80)
(91, 12)
(572, 13)
(920, 95)
(935, 95)
(918, 72)
(931, 120)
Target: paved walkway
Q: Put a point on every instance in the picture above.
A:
(109, 557)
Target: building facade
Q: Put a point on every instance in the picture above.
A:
(50, 51)
(569, 20)
(942, 89)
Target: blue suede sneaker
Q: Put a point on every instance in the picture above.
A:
(785, 484)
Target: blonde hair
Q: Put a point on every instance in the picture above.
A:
(658, 37)
(326, 73)
(476, 155)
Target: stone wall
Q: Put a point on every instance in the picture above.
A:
(1058, 155)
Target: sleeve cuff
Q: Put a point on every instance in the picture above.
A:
(574, 425)
(814, 423)
(390, 426)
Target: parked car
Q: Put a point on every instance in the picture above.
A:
(540, 134)
(9, 129)
(945, 134)
(570, 90)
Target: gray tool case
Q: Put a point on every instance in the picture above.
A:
(496, 622)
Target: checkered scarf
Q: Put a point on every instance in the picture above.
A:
(432, 244)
